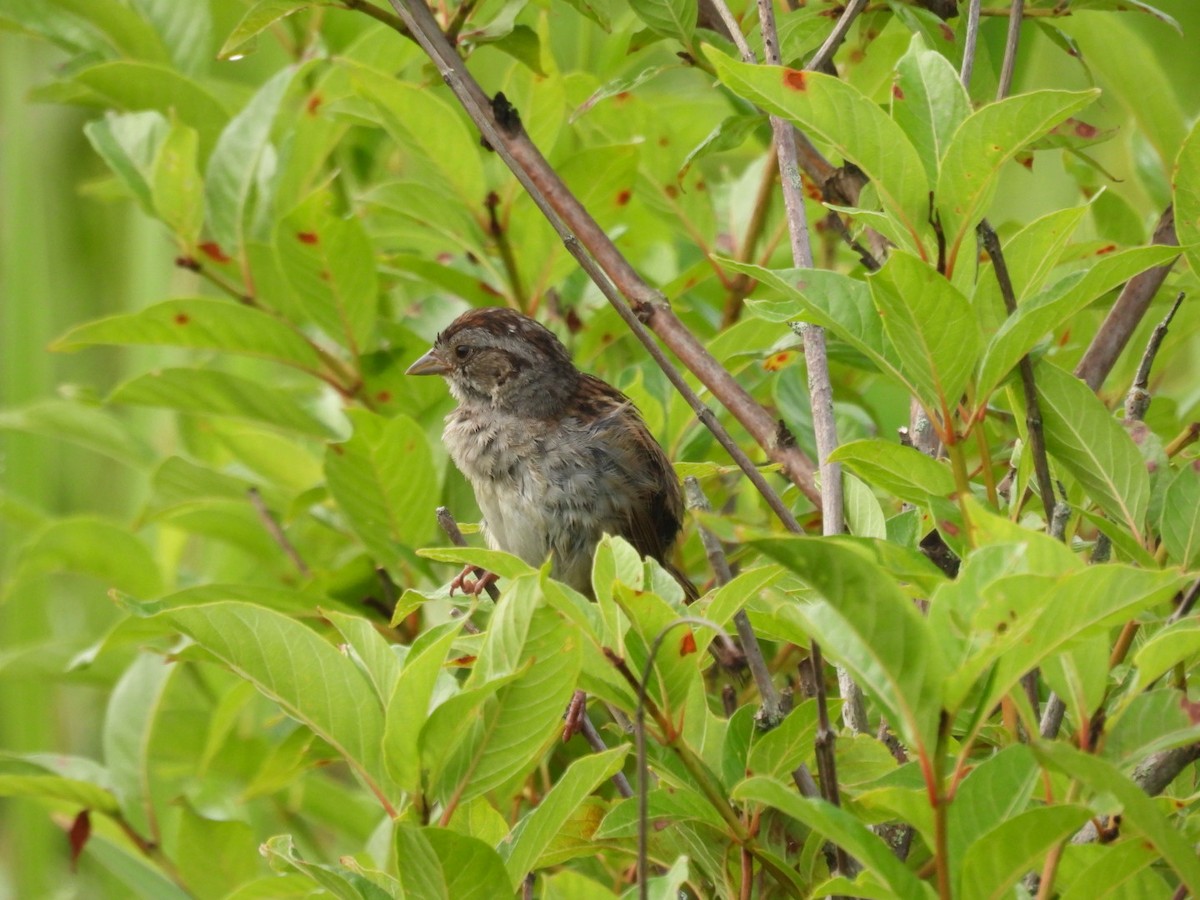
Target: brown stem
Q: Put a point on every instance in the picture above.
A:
(1033, 412)
(276, 532)
(1010, 48)
(742, 284)
(771, 713)
(823, 58)
(1137, 401)
(1127, 313)
(579, 230)
(972, 41)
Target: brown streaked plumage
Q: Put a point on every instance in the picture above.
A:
(556, 457)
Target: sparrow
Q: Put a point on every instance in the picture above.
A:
(556, 457)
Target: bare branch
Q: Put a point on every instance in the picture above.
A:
(823, 58)
(1137, 401)
(972, 41)
(1126, 314)
(1033, 412)
(276, 532)
(1010, 49)
(771, 712)
(602, 261)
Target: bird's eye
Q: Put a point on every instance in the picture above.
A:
(462, 351)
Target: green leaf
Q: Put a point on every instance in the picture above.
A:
(1063, 611)
(375, 655)
(857, 129)
(1114, 867)
(233, 168)
(90, 546)
(184, 28)
(1167, 648)
(864, 515)
(1054, 306)
(87, 426)
(384, 481)
(408, 705)
(1181, 516)
(929, 102)
(670, 18)
(204, 392)
(330, 264)
(536, 831)
(310, 680)
(1137, 810)
(55, 787)
(201, 323)
(257, 19)
(895, 469)
(143, 86)
(995, 790)
(778, 752)
(1185, 180)
(931, 325)
(1084, 439)
(439, 148)
(730, 134)
(128, 143)
(339, 881)
(441, 863)
(177, 191)
(130, 718)
(867, 625)
(839, 827)
(982, 144)
(496, 561)
(830, 299)
(1002, 856)
(504, 736)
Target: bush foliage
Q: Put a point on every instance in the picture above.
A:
(292, 704)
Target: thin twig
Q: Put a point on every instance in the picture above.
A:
(1186, 603)
(1137, 401)
(640, 735)
(596, 742)
(1033, 411)
(824, 56)
(276, 532)
(1010, 49)
(771, 712)
(735, 31)
(972, 41)
(502, 130)
(820, 391)
(1127, 313)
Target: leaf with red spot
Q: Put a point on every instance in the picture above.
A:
(687, 644)
(985, 141)
(200, 323)
(1050, 308)
(213, 251)
(231, 180)
(928, 102)
(385, 483)
(853, 124)
(78, 834)
(330, 264)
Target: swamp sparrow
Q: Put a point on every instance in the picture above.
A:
(556, 457)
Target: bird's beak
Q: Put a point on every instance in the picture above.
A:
(429, 364)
